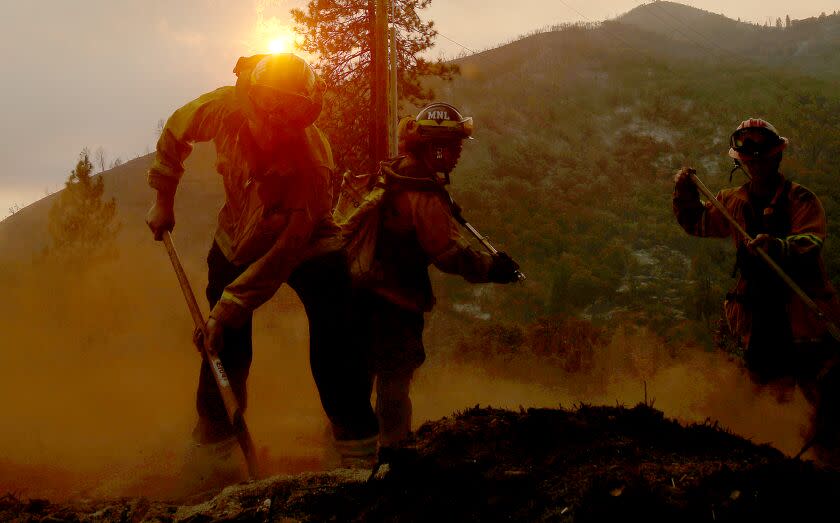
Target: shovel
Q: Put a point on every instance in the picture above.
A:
(813, 307)
(234, 412)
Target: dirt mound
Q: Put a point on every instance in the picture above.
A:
(583, 464)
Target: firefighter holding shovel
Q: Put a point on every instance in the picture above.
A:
(275, 227)
(783, 306)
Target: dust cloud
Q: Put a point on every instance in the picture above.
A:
(99, 379)
(99, 376)
(690, 385)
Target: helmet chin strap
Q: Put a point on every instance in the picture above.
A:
(737, 167)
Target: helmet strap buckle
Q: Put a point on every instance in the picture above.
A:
(737, 167)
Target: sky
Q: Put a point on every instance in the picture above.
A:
(101, 74)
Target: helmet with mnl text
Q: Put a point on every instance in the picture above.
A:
(438, 122)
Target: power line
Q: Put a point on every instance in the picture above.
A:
(602, 26)
(739, 58)
(456, 43)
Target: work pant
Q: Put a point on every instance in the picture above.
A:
(393, 407)
(818, 375)
(339, 368)
(394, 337)
(813, 368)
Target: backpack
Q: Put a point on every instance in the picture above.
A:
(358, 213)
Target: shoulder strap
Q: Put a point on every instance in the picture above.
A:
(454, 207)
(395, 181)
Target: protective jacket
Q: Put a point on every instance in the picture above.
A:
(795, 216)
(418, 229)
(277, 208)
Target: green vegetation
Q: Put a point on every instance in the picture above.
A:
(81, 222)
(341, 35)
(808, 45)
(578, 133)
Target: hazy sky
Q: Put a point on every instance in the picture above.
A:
(101, 73)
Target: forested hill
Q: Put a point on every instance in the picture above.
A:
(808, 45)
(578, 132)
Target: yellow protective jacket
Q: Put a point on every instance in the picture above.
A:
(796, 217)
(277, 207)
(418, 229)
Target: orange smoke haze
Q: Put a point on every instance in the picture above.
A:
(691, 386)
(99, 375)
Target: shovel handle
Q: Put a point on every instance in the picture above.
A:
(830, 326)
(234, 412)
(186, 288)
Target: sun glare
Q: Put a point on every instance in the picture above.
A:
(282, 41)
(281, 44)
(273, 34)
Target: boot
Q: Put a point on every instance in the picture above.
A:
(211, 467)
(356, 453)
(398, 461)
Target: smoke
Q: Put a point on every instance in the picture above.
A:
(689, 384)
(99, 381)
(100, 374)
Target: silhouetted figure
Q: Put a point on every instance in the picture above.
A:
(276, 226)
(784, 342)
(417, 228)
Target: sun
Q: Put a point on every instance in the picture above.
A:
(281, 44)
(283, 41)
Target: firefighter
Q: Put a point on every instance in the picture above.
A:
(783, 341)
(275, 226)
(417, 229)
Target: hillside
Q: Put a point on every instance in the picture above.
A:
(807, 45)
(578, 132)
(199, 199)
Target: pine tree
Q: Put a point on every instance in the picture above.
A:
(81, 222)
(340, 33)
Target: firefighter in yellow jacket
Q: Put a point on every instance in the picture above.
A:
(417, 229)
(275, 227)
(782, 339)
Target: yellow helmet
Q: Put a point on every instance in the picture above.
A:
(281, 84)
(436, 122)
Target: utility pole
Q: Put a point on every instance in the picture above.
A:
(395, 117)
(379, 86)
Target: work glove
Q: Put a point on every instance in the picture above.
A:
(503, 269)
(683, 184)
(215, 338)
(770, 244)
(161, 217)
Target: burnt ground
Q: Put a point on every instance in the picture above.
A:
(584, 464)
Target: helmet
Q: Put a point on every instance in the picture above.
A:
(442, 121)
(755, 138)
(282, 86)
(436, 122)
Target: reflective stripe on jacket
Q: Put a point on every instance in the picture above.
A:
(277, 207)
(796, 217)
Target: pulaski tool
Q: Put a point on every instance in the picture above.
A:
(456, 213)
(234, 412)
(830, 325)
